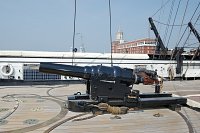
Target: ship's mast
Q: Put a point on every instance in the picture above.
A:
(195, 32)
(160, 49)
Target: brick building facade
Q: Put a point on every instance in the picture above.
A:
(142, 46)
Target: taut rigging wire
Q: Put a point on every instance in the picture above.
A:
(188, 46)
(187, 27)
(160, 16)
(197, 50)
(197, 19)
(178, 25)
(182, 21)
(190, 21)
(173, 22)
(195, 11)
(190, 31)
(111, 59)
(168, 21)
(160, 8)
(74, 32)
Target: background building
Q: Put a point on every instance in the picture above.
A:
(141, 46)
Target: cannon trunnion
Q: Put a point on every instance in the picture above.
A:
(112, 85)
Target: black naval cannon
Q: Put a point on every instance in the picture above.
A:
(112, 85)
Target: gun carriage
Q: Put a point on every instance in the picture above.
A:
(112, 85)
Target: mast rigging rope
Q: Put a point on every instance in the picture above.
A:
(173, 22)
(74, 32)
(169, 24)
(161, 8)
(197, 50)
(110, 32)
(178, 42)
(168, 21)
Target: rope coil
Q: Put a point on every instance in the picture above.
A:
(112, 109)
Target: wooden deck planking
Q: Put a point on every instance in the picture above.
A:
(130, 123)
(141, 121)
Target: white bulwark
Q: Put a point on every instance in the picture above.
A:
(23, 65)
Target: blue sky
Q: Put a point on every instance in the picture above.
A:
(47, 25)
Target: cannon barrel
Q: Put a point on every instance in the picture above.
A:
(114, 73)
(66, 70)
